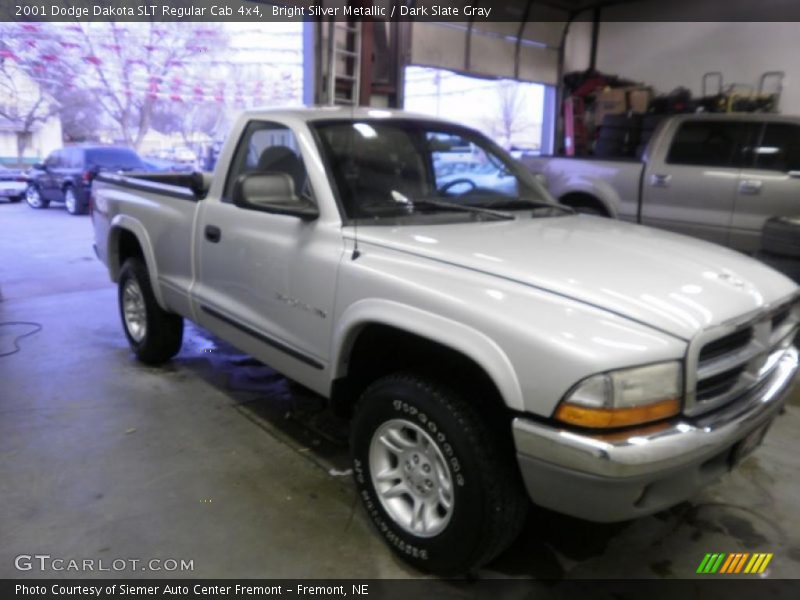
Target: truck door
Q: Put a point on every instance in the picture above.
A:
(264, 281)
(48, 180)
(690, 186)
(769, 183)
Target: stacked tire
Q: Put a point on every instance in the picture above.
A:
(619, 136)
(649, 125)
(780, 245)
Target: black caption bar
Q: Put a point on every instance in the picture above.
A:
(494, 589)
(472, 11)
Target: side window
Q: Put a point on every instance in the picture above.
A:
(54, 161)
(72, 158)
(460, 167)
(708, 143)
(268, 148)
(779, 149)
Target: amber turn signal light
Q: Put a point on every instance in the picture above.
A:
(604, 418)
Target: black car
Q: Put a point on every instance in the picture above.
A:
(66, 175)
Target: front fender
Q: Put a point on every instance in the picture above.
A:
(122, 223)
(453, 334)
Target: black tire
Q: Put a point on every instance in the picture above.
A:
(613, 134)
(15, 199)
(162, 334)
(781, 236)
(787, 265)
(488, 500)
(624, 121)
(606, 149)
(74, 205)
(34, 199)
(651, 121)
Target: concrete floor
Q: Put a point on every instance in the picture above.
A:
(217, 459)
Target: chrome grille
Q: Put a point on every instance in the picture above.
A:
(726, 361)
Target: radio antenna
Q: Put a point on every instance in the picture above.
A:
(350, 154)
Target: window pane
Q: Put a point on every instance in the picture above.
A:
(779, 149)
(398, 167)
(510, 112)
(54, 160)
(707, 143)
(113, 158)
(269, 148)
(459, 165)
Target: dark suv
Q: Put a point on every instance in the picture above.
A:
(67, 175)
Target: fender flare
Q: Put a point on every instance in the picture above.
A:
(601, 191)
(126, 223)
(455, 335)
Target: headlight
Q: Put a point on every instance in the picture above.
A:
(624, 397)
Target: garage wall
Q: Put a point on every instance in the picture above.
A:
(668, 55)
(671, 54)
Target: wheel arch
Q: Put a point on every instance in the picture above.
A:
(577, 199)
(128, 238)
(377, 337)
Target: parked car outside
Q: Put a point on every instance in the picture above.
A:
(67, 174)
(159, 165)
(13, 183)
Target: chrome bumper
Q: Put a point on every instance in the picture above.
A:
(615, 477)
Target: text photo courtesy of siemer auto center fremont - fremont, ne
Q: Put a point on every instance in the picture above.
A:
(399, 298)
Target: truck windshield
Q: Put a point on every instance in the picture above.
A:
(405, 167)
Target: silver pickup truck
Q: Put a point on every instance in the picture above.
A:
(490, 344)
(716, 177)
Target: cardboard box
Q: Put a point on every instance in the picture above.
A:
(639, 99)
(612, 101)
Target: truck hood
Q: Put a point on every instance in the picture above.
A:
(671, 282)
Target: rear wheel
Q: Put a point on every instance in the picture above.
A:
(154, 335)
(435, 479)
(33, 196)
(72, 203)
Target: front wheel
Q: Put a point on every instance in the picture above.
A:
(33, 196)
(154, 335)
(433, 476)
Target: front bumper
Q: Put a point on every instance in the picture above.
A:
(617, 477)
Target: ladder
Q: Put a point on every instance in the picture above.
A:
(343, 84)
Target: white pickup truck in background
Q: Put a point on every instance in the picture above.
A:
(716, 177)
(489, 344)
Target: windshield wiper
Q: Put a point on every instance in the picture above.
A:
(471, 209)
(512, 203)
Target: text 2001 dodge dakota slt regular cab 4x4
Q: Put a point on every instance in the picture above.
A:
(490, 344)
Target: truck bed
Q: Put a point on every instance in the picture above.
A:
(181, 184)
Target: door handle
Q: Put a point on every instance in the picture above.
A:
(660, 180)
(750, 186)
(213, 233)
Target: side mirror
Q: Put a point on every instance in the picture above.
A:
(40, 166)
(272, 193)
